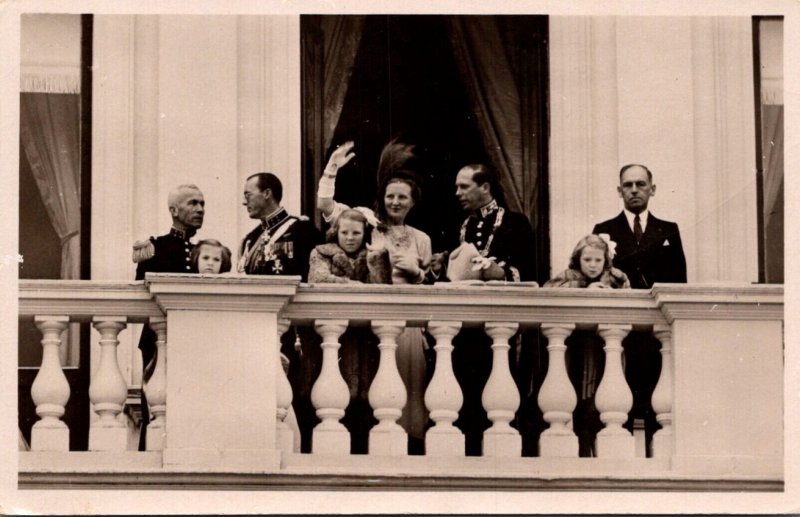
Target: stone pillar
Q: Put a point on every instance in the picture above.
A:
(387, 394)
(500, 396)
(614, 398)
(108, 389)
(557, 398)
(443, 397)
(663, 445)
(223, 369)
(155, 389)
(50, 389)
(329, 394)
(283, 398)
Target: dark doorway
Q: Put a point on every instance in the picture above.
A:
(406, 84)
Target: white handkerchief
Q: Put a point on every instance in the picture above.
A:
(459, 266)
(666, 242)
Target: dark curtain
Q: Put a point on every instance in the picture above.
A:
(50, 136)
(503, 61)
(329, 46)
(772, 146)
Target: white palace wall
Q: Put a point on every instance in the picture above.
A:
(675, 94)
(211, 99)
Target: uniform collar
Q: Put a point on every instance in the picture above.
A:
(274, 219)
(487, 209)
(185, 235)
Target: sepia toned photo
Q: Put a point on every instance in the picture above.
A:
(348, 259)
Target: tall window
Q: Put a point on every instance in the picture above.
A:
(768, 42)
(54, 194)
(462, 89)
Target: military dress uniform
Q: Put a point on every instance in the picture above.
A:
(168, 253)
(506, 236)
(281, 245)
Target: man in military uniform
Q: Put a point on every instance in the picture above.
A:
(493, 229)
(281, 245)
(504, 242)
(167, 254)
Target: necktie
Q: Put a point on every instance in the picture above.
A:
(637, 229)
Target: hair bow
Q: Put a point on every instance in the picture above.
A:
(369, 215)
(612, 246)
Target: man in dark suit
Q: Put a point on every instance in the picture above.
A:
(649, 249)
(168, 253)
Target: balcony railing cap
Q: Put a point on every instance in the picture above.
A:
(226, 292)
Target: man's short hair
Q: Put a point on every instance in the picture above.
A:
(626, 167)
(267, 180)
(176, 195)
(481, 174)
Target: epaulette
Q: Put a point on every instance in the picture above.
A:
(143, 250)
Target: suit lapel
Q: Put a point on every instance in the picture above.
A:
(654, 234)
(626, 244)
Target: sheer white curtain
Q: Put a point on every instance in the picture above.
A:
(50, 135)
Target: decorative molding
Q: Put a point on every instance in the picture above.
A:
(473, 305)
(50, 79)
(221, 293)
(535, 479)
(772, 90)
(81, 300)
(718, 302)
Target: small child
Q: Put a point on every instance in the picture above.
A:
(211, 257)
(590, 266)
(345, 258)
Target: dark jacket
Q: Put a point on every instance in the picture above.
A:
(657, 258)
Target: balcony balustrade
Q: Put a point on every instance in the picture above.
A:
(222, 403)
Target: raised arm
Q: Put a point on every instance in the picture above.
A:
(327, 183)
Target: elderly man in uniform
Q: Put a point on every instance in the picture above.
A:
(649, 250)
(167, 254)
(502, 243)
(281, 245)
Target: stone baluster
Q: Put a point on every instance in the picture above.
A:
(50, 389)
(387, 394)
(330, 394)
(283, 398)
(108, 389)
(662, 395)
(443, 397)
(155, 389)
(557, 398)
(613, 398)
(500, 396)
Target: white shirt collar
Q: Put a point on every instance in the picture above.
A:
(642, 218)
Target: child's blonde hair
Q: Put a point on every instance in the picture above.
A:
(226, 254)
(590, 241)
(351, 214)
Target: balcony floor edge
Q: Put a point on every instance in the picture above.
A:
(283, 481)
